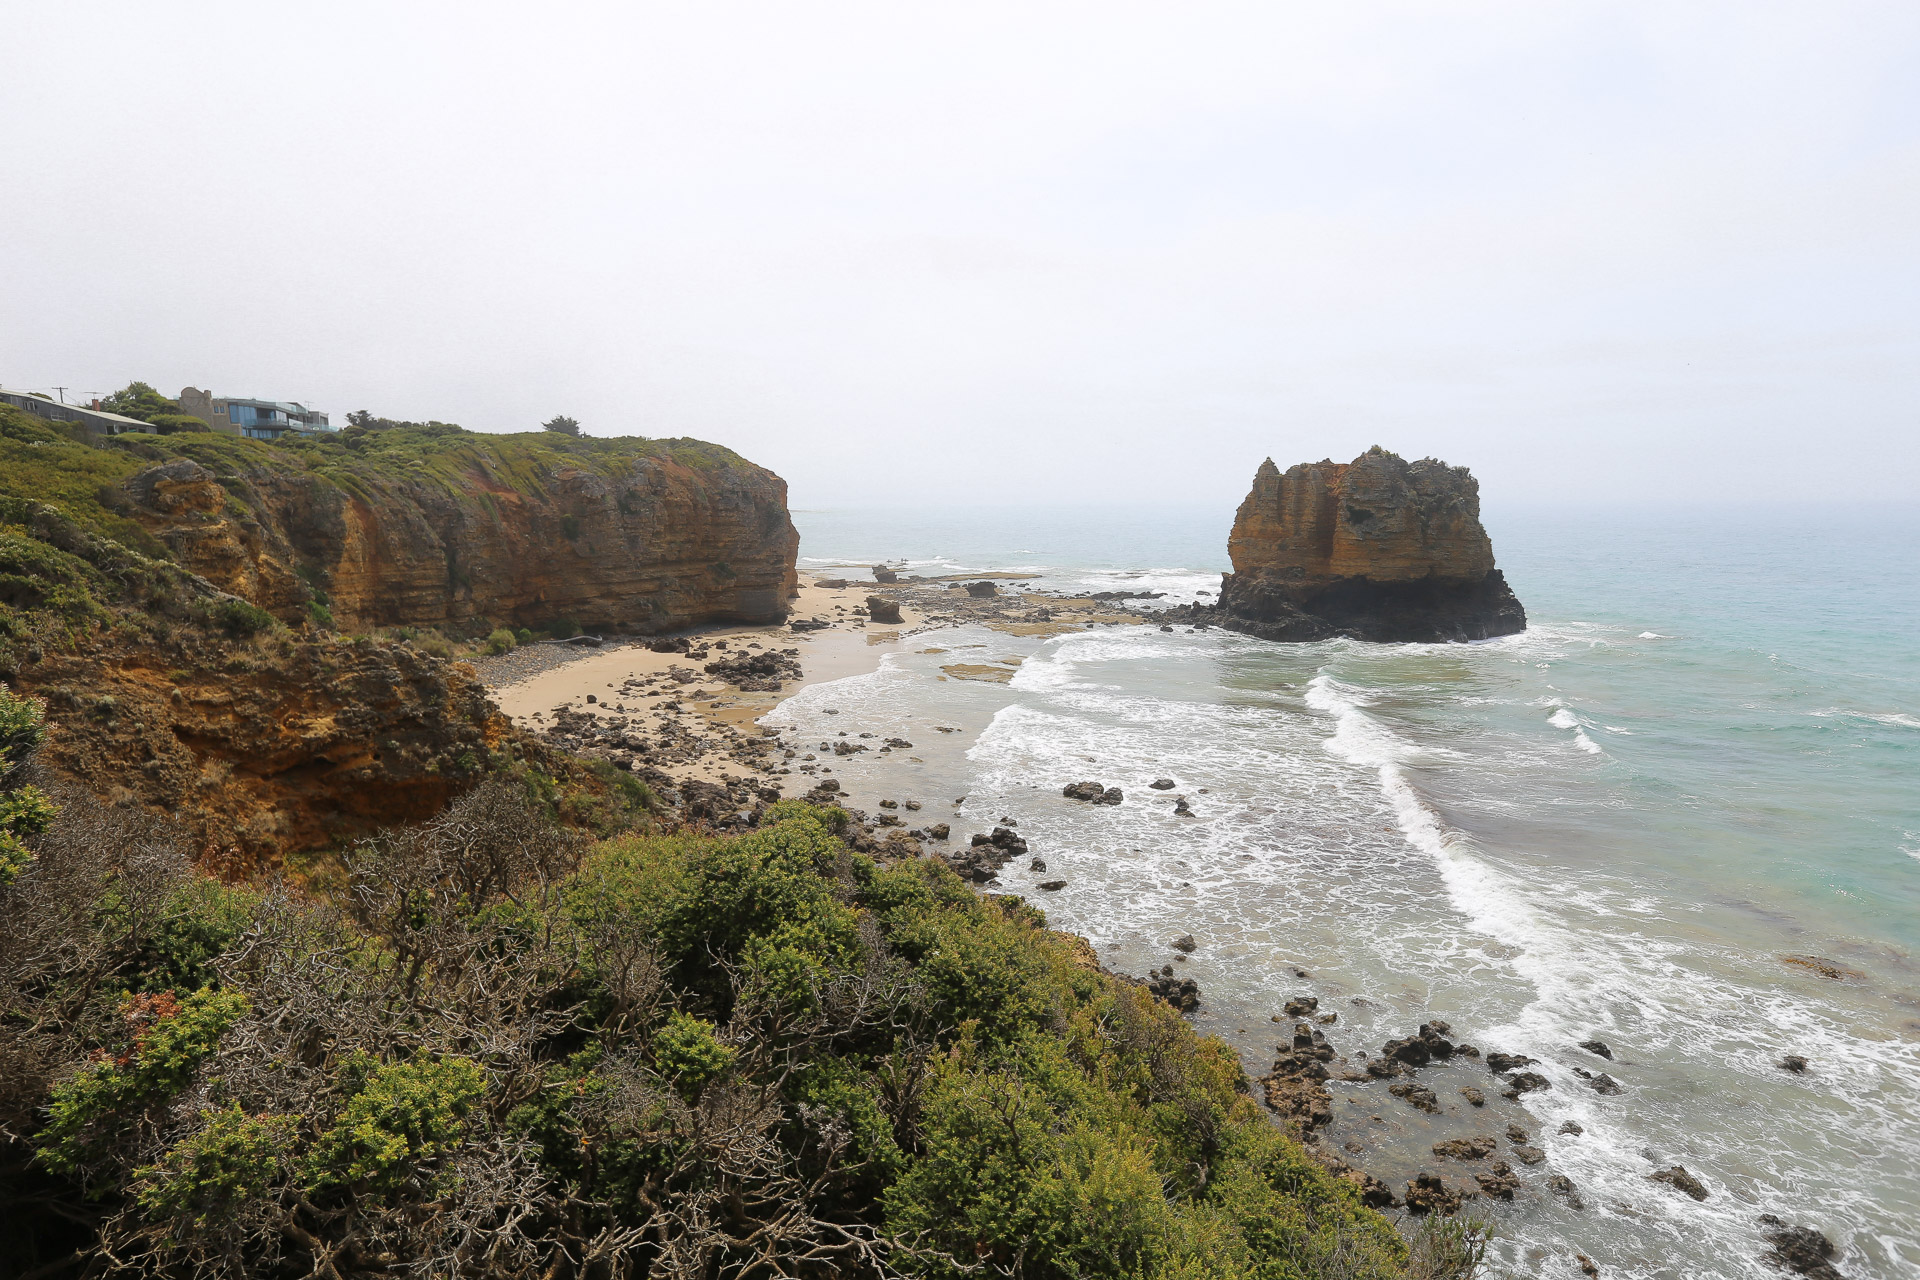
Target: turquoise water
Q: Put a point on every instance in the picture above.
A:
(1701, 758)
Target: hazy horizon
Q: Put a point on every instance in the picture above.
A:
(1599, 253)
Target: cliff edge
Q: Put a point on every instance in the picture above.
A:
(1374, 549)
(455, 530)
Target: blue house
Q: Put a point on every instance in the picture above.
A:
(254, 419)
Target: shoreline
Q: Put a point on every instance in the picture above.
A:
(648, 704)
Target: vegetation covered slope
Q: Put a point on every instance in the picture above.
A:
(501, 1053)
(164, 692)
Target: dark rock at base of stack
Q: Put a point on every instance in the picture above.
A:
(881, 609)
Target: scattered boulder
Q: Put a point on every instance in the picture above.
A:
(1088, 791)
(1573, 1127)
(1417, 1095)
(1474, 1096)
(1301, 1006)
(881, 609)
(939, 831)
(1184, 943)
(982, 589)
(1605, 1084)
(1182, 993)
(1424, 1046)
(1528, 1155)
(1374, 1193)
(1598, 1047)
(1478, 1147)
(1428, 1194)
(1162, 784)
(1587, 1267)
(831, 584)
(1680, 1180)
(1181, 809)
(1500, 1181)
(1112, 795)
(985, 854)
(1038, 864)
(881, 573)
(1501, 1063)
(1792, 1062)
(1800, 1249)
(1052, 886)
(1561, 1185)
(1516, 1134)
(1297, 1086)
(1525, 1082)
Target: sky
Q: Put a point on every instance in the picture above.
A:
(1601, 253)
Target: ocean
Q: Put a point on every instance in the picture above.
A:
(1656, 819)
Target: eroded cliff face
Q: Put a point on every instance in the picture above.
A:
(630, 535)
(1376, 549)
(260, 748)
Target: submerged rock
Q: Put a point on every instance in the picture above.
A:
(1678, 1178)
(1800, 1249)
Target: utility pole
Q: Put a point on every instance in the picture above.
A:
(63, 394)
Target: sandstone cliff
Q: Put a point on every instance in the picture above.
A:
(137, 578)
(1375, 549)
(446, 528)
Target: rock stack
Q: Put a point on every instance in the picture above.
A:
(1375, 549)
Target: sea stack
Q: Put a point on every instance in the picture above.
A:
(1374, 549)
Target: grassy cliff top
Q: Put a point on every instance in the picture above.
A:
(41, 461)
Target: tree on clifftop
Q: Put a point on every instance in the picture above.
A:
(564, 425)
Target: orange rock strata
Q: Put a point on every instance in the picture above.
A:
(628, 535)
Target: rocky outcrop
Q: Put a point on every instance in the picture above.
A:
(458, 530)
(258, 749)
(1375, 549)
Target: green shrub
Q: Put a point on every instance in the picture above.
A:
(320, 615)
(233, 1158)
(170, 1037)
(172, 423)
(407, 1116)
(522, 636)
(501, 640)
(237, 617)
(24, 810)
(737, 1052)
(686, 1052)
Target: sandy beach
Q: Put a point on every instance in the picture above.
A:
(662, 713)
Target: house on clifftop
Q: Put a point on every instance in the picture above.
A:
(98, 421)
(254, 419)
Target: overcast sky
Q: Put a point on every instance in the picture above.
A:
(972, 252)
